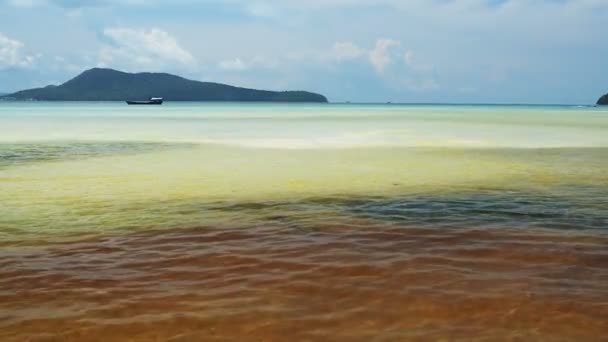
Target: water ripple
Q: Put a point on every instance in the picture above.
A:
(351, 283)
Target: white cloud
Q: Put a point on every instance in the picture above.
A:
(516, 43)
(75, 3)
(262, 10)
(25, 3)
(420, 85)
(407, 73)
(241, 64)
(414, 64)
(408, 57)
(143, 48)
(345, 51)
(467, 90)
(380, 56)
(11, 53)
(233, 64)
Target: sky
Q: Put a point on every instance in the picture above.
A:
(420, 51)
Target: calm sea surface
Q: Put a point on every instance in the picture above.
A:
(221, 222)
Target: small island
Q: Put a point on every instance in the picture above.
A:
(603, 101)
(99, 84)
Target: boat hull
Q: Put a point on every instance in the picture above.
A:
(152, 102)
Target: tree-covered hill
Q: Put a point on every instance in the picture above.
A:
(112, 85)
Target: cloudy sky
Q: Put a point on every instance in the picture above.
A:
(482, 51)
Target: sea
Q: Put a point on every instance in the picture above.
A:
(303, 222)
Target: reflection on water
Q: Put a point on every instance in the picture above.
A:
(269, 222)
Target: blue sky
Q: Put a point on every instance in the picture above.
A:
(481, 51)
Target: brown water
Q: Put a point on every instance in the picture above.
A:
(198, 222)
(356, 282)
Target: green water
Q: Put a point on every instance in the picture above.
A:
(78, 168)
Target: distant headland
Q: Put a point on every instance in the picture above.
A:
(112, 85)
(603, 100)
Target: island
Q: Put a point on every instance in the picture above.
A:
(100, 84)
(603, 101)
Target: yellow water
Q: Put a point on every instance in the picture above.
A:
(306, 222)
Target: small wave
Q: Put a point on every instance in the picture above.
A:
(351, 282)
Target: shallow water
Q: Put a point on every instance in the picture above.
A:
(269, 222)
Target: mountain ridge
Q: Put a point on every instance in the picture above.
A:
(100, 84)
(603, 101)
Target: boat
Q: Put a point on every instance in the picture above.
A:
(151, 101)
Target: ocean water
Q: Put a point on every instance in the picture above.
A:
(193, 221)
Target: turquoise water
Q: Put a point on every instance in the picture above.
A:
(308, 126)
(90, 167)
